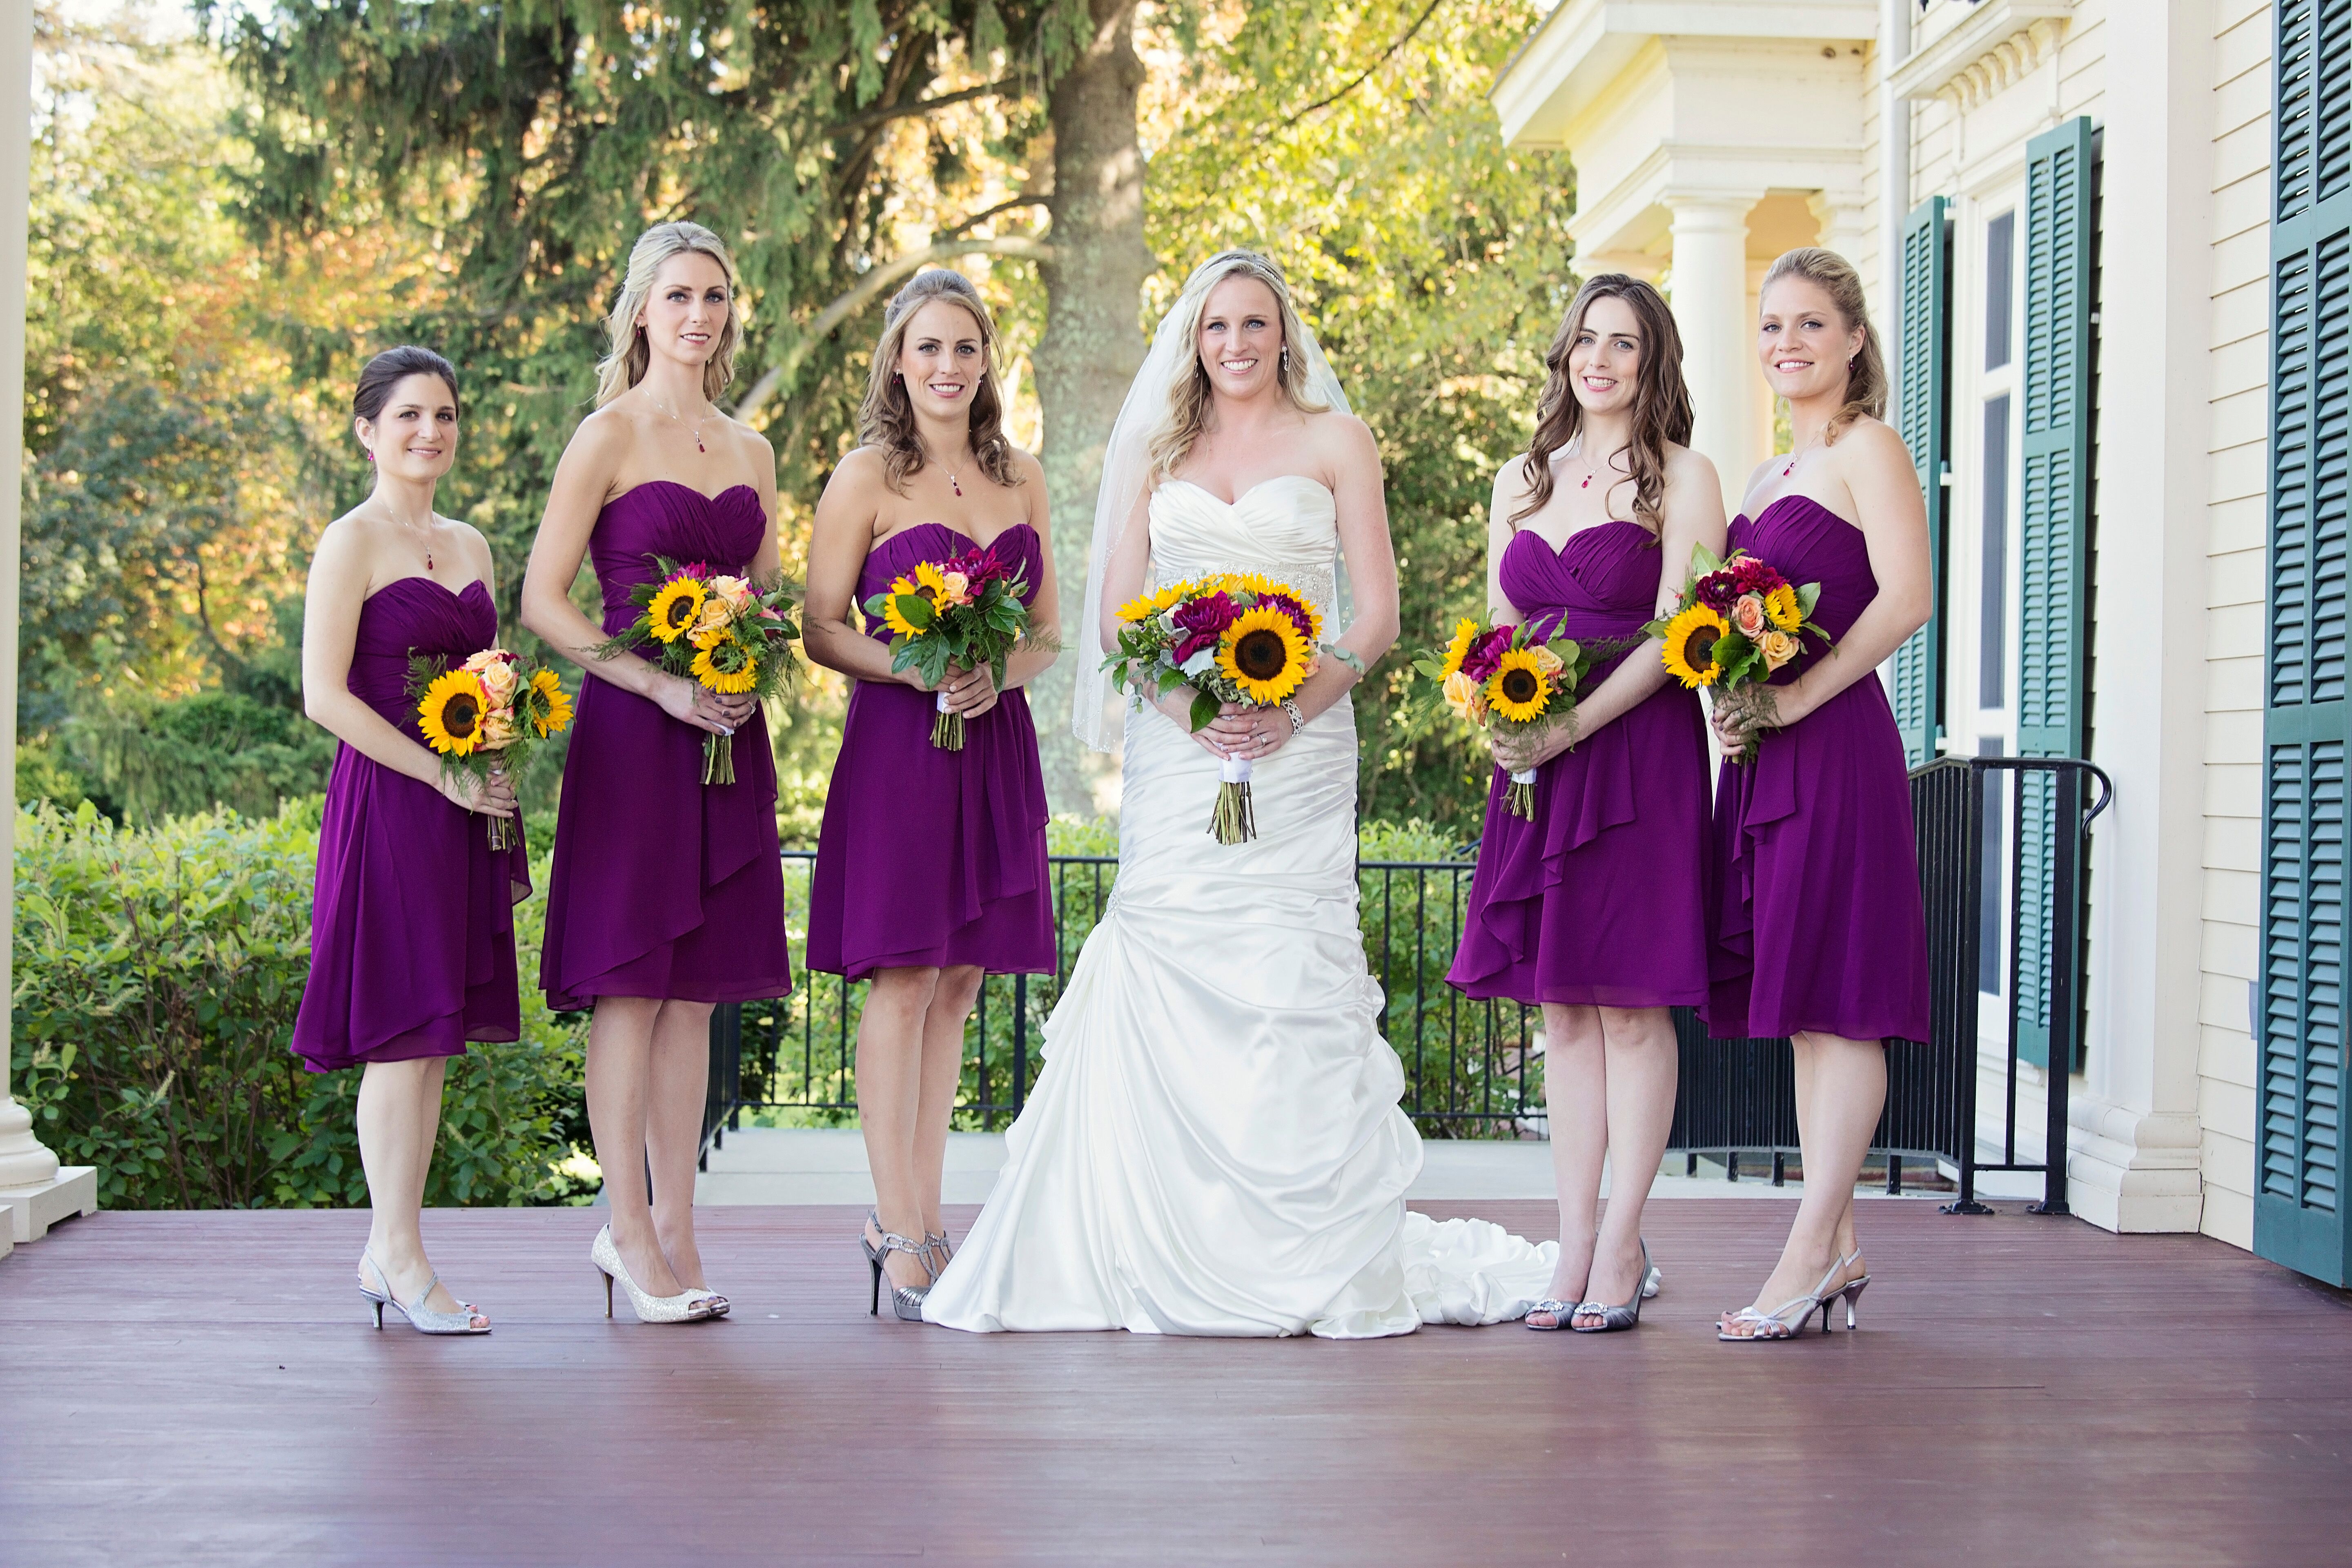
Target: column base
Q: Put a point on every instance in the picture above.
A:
(7, 1230)
(2131, 1169)
(73, 1191)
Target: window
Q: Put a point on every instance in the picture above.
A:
(1993, 594)
(2000, 277)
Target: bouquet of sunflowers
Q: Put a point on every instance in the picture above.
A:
(1234, 638)
(722, 631)
(1507, 678)
(1735, 623)
(487, 716)
(965, 612)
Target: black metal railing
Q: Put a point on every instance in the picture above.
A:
(1471, 1066)
(1737, 1097)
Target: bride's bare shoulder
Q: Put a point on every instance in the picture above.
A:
(1340, 439)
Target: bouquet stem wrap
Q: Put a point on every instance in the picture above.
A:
(947, 730)
(1520, 798)
(1234, 821)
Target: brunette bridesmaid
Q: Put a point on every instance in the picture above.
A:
(412, 923)
(1821, 935)
(666, 894)
(931, 869)
(1596, 908)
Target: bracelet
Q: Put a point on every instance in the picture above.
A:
(1297, 720)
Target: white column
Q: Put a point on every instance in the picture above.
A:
(1893, 159)
(33, 1190)
(1710, 301)
(2134, 1161)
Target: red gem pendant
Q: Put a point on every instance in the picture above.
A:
(951, 480)
(1587, 484)
(699, 446)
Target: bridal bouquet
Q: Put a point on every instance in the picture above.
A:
(1504, 678)
(965, 612)
(1234, 638)
(488, 715)
(722, 631)
(1736, 622)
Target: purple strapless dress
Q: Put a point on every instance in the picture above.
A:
(928, 857)
(411, 915)
(662, 885)
(1602, 900)
(1818, 921)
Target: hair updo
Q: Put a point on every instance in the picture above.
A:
(1865, 386)
(389, 369)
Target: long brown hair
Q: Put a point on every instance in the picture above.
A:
(1661, 400)
(1865, 386)
(1181, 425)
(886, 417)
(625, 365)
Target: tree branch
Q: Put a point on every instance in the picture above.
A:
(1006, 86)
(862, 293)
(976, 220)
(1386, 55)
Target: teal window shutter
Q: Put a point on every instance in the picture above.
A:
(2299, 1213)
(2054, 535)
(1924, 421)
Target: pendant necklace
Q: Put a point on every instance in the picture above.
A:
(695, 427)
(1791, 466)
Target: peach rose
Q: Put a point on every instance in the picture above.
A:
(1749, 615)
(497, 673)
(736, 591)
(498, 729)
(1777, 647)
(1547, 661)
(1462, 695)
(959, 587)
(717, 616)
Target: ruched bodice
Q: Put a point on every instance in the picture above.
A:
(1805, 541)
(1602, 586)
(1017, 547)
(415, 614)
(1288, 528)
(662, 517)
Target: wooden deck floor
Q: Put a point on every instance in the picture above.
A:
(202, 1388)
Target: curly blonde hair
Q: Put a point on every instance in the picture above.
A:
(886, 417)
(625, 365)
(1865, 386)
(1179, 429)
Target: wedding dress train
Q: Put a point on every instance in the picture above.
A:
(1214, 1145)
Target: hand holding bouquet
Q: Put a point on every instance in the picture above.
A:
(1237, 637)
(1735, 623)
(721, 631)
(487, 716)
(965, 612)
(1506, 680)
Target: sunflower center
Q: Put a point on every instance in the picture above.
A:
(1520, 685)
(1698, 649)
(681, 611)
(1260, 655)
(460, 715)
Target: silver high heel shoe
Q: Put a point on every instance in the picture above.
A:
(939, 1245)
(1615, 1317)
(1653, 1279)
(421, 1318)
(906, 1300)
(686, 1307)
(1777, 1324)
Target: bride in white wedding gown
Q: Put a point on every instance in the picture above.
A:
(1214, 1145)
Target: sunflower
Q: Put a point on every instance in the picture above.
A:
(727, 667)
(1691, 638)
(1465, 632)
(932, 582)
(1262, 655)
(1518, 689)
(550, 704)
(451, 713)
(676, 607)
(1780, 603)
(896, 618)
(1143, 606)
(1246, 583)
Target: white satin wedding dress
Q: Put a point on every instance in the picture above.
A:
(1214, 1145)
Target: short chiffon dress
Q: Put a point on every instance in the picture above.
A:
(1602, 900)
(663, 886)
(412, 911)
(930, 857)
(1819, 921)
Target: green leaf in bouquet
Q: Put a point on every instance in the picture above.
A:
(1170, 679)
(1205, 710)
(873, 605)
(1704, 560)
(916, 611)
(1807, 597)
(1430, 668)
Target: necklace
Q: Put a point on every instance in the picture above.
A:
(954, 483)
(1589, 468)
(410, 527)
(1791, 466)
(695, 427)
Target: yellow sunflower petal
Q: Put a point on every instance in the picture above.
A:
(555, 716)
(1262, 655)
(1518, 689)
(1465, 632)
(452, 712)
(1690, 645)
(676, 607)
(1780, 603)
(727, 667)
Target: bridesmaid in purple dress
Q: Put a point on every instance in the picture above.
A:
(1597, 907)
(931, 869)
(1820, 933)
(411, 924)
(666, 894)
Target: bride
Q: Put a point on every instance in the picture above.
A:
(1214, 1146)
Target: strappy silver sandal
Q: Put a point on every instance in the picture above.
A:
(906, 1300)
(421, 1318)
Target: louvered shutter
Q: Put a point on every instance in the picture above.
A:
(2054, 535)
(2299, 1214)
(1924, 421)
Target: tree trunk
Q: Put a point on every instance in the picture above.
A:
(1093, 343)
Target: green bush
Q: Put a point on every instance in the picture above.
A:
(158, 972)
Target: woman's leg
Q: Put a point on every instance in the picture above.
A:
(620, 1096)
(943, 1070)
(1641, 1063)
(1847, 1092)
(1804, 1096)
(890, 1053)
(678, 1076)
(1576, 1109)
(399, 1116)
